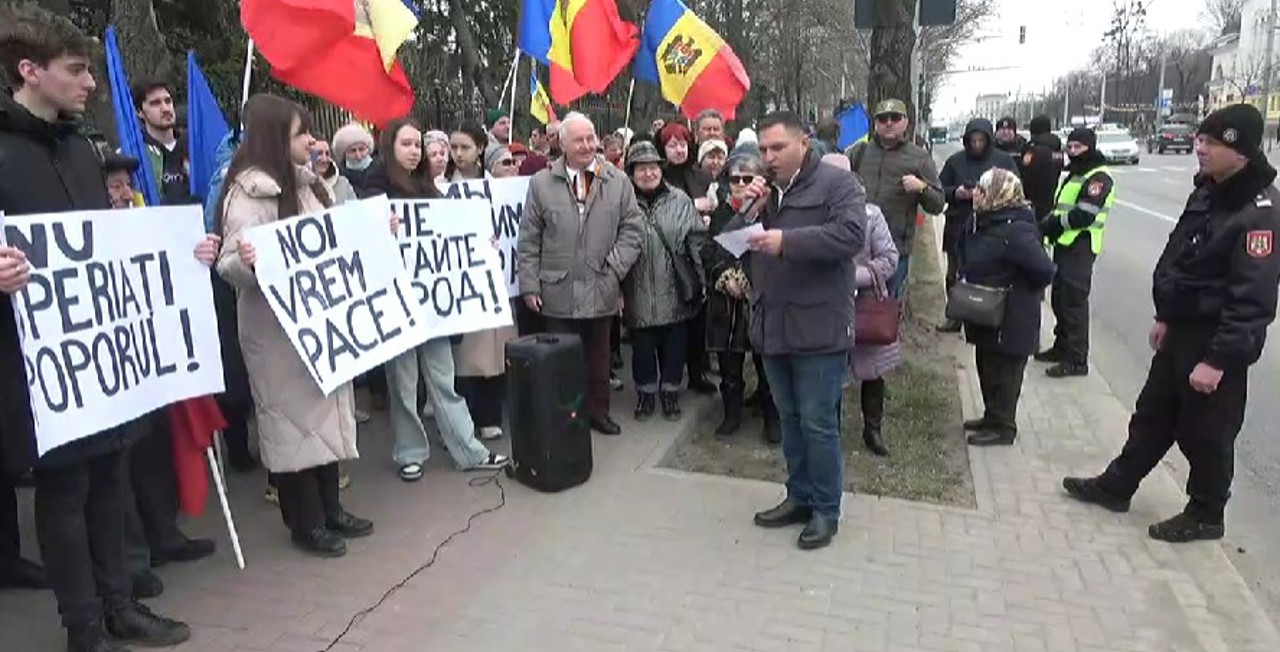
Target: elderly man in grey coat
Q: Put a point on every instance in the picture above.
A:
(579, 236)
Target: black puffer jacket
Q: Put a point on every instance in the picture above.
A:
(1005, 251)
(44, 168)
(1042, 165)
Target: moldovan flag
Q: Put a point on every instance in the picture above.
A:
(539, 104)
(342, 51)
(696, 69)
(586, 43)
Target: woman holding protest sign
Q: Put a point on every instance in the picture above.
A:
(404, 173)
(302, 433)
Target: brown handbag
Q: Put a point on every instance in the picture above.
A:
(876, 315)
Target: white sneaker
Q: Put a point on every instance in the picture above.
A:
(490, 433)
(493, 462)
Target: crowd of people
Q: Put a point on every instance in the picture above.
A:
(617, 242)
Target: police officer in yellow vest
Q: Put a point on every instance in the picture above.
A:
(1075, 230)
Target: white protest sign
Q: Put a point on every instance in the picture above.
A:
(117, 320)
(506, 201)
(457, 272)
(335, 283)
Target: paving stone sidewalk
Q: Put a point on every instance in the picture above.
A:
(642, 559)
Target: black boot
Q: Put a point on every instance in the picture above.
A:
(645, 406)
(320, 542)
(347, 525)
(872, 416)
(1185, 528)
(671, 406)
(136, 624)
(92, 639)
(731, 396)
(772, 424)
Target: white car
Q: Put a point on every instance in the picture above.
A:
(1118, 146)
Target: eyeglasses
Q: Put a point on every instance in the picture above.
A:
(741, 179)
(507, 162)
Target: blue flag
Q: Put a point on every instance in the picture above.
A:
(128, 127)
(854, 125)
(206, 128)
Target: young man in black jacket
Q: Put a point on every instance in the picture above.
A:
(47, 166)
(1214, 289)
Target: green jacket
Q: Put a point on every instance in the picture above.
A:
(882, 171)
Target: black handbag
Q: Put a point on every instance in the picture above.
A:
(688, 286)
(975, 304)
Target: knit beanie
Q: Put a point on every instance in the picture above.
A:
(493, 116)
(1084, 136)
(347, 136)
(1039, 125)
(1238, 126)
(493, 154)
(712, 145)
(1007, 123)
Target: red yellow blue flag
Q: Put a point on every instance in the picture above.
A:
(586, 43)
(540, 106)
(692, 64)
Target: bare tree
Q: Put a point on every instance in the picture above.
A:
(1224, 15)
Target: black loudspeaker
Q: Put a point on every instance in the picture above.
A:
(546, 401)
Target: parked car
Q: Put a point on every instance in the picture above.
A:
(1118, 146)
(1172, 137)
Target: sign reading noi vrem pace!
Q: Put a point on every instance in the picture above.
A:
(336, 284)
(117, 319)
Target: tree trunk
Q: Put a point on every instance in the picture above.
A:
(141, 44)
(891, 48)
(470, 51)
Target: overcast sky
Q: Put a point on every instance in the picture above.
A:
(1060, 36)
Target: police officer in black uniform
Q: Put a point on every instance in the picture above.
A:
(1215, 290)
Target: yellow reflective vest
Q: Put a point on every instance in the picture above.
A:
(1067, 201)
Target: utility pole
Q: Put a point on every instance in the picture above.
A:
(1160, 93)
(1102, 103)
(1267, 79)
(1066, 104)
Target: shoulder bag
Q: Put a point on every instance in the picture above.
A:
(975, 304)
(876, 315)
(688, 285)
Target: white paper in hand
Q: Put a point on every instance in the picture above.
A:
(735, 242)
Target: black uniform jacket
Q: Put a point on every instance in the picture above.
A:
(1220, 270)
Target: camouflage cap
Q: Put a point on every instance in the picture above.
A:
(886, 107)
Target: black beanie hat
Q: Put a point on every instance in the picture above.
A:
(1007, 123)
(1238, 126)
(1084, 136)
(1039, 125)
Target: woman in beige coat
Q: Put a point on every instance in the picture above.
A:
(303, 434)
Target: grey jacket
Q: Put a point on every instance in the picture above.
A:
(650, 288)
(882, 170)
(576, 262)
(802, 301)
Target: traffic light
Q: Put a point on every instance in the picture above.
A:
(1022, 35)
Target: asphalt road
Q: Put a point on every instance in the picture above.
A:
(1151, 196)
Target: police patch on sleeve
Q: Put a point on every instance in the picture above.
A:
(1094, 189)
(1259, 243)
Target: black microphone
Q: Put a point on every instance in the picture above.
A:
(749, 204)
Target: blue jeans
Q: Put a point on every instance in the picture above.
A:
(434, 359)
(807, 390)
(898, 282)
(658, 357)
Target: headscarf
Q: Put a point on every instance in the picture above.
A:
(1000, 189)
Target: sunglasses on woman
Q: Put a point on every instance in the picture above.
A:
(743, 180)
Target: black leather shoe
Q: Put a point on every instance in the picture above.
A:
(818, 532)
(992, 438)
(1089, 490)
(785, 514)
(974, 425)
(188, 550)
(1067, 370)
(348, 526)
(1185, 528)
(321, 543)
(92, 639)
(606, 426)
(1049, 355)
(24, 575)
(136, 624)
(146, 585)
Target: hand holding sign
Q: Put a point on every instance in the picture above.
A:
(14, 270)
(248, 255)
(207, 250)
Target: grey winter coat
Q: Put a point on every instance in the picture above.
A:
(650, 288)
(576, 261)
(876, 264)
(802, 300)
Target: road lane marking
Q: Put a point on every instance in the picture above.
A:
(1147, 211)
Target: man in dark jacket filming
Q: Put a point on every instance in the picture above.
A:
(802, 281)
(1214, 289)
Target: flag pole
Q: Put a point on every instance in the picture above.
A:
(248, 73)
(226, 507)
(630, 95)
(515, 85)
(509, 83)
